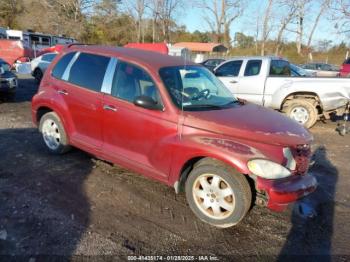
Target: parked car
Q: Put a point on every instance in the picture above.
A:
(8, 80)
(267, 81)
(321, 69)
(212, 63)
(174, 121)
(40, 64)
(298, 71)
(345, 68)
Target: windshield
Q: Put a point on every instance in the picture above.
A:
(195, 88)
(5, 66)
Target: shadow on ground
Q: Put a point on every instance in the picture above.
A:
(312, 219)
(43, 207)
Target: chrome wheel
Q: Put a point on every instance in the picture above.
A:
(51, 134)
(300, 114)
(213, 196)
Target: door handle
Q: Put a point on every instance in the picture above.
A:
(111, 108)
(233, 82)
(62, 92)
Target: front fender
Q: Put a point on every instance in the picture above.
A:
(235, 153)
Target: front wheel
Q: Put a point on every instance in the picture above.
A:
(302, 111)
(54, 135)
(218, 194)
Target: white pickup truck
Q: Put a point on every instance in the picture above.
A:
(270, 81)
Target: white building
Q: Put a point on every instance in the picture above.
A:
(36, 40)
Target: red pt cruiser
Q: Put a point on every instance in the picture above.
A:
(174, 121)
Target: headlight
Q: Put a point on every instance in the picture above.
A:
(267, 169)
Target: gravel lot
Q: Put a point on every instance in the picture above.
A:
(78, 205)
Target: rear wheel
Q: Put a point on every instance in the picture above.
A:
(218, 194)
(303, 111)
(38, 75)
(54, 135)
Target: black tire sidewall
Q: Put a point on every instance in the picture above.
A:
(242, 198)
(64, 145)
(38, 75)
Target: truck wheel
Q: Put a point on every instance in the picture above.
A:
(54, 135)
(218, 194)
(302, 111)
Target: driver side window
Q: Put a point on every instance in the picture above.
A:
(130, 81)
(229, 69)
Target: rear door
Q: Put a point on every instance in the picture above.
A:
(228, 74)
(80, 88)
(133, 136)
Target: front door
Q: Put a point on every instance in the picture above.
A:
(228, 74)
(135, 136)
(252, 82)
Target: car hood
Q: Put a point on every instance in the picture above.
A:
(251, 122)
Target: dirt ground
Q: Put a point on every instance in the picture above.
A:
(75, 205)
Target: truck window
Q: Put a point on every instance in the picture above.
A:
(253, 68)
(279, 68)
(229, 69)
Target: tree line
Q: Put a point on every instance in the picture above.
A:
(117, 22)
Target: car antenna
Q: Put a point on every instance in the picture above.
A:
(182, 97)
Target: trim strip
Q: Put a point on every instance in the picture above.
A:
(66, 73)
(109, 75)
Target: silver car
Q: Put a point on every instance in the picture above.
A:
(40, 64)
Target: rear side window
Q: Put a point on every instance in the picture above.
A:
(61, 65)
(253, 68)
(229, 69)
(279, 68)
(88, 71)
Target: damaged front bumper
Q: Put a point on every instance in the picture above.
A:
(277, 194)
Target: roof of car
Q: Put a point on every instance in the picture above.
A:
(255, 57)
(147, 58)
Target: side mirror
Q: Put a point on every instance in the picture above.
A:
(147, 102)
(2, 71)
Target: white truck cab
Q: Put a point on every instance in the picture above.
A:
(268, 81)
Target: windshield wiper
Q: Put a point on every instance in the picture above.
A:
(231, 103)
(200, 106)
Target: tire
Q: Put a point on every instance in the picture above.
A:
(54, 136)
(229, 199)
(11, 96)
(38, 75)
(303, 111)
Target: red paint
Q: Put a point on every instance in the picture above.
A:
(51, 49)
(158, 144)
(155, 47)
(284, 191)
(12, 50)
(345, 69)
